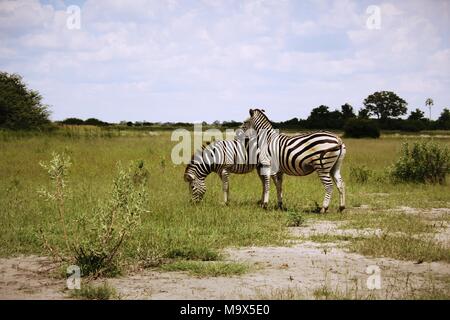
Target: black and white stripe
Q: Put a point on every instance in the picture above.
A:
(298, 155)
(222, 157)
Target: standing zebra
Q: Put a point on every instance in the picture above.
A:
(223, 158)
(298, 155)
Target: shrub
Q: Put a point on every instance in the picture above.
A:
(294, 219)
(360, 174)
(96, 238)
(361, 128)
(422, 162)
(91, 292)
(95, 122)
(73, 121)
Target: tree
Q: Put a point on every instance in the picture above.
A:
(347, 111)
(385, 104)
(443, 121)
(363, 114)
(445, 115)
(361, 128)
(416, 115)
(429, 103)
(20, 107)
(72, 121)
(95, 122)
(322, 118)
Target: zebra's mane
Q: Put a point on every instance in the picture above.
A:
(204, 146)
(262, 112)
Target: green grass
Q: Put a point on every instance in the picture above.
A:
(329, 238)
(404, 236)
(173, 227)
(325, 292)
(207, 269)
(402, 247)
(92, 292)
(388, 222)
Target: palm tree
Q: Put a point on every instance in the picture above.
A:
(429, 103)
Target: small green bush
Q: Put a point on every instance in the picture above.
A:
(294, 219)
(424, 162)
(91, 292)
(360, 174)
(361, 128)
(95, 240)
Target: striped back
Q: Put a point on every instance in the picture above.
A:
(294, 155)
(235, 156)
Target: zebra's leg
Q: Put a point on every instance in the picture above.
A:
(225, 186)
(336, 174)
(341, 187)
(328, 185)
(278, 180)
(265, 180)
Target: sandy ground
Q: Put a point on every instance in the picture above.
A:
(304, 266)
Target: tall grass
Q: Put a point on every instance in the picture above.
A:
(177, 229)
(174, 229)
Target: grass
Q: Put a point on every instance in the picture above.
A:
(325, 292)
(387, 221)
(174, 228)
(92, 292)
(208, 269)
(403, 236)
(402, 247)
(329, 238)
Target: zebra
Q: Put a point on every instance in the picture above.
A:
(239, 156)
(297, 155)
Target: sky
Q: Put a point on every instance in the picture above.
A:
(206, 60)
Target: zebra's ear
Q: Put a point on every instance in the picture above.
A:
(251, 111)
(188, 177)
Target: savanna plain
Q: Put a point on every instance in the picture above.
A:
(396, 232)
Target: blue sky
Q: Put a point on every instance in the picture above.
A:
(183, 60)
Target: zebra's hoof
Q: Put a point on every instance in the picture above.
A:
(280, 206)
(264, 206)
(323, 210)
(341, 208)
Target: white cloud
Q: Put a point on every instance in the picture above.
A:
(230, 55)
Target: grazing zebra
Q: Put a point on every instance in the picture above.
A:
(297, 155)
(223, 158)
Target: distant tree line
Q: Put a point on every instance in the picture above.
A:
(90, 121)
(22, 108)
(382, 108)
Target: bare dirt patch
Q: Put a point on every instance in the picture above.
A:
(29, 277)
(304, 265)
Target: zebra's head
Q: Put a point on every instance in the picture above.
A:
(257, 121)
(197, 185)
